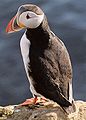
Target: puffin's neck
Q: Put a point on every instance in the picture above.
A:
(40, 36)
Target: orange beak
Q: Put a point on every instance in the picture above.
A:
(13, 26)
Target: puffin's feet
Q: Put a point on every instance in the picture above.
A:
(36, 101)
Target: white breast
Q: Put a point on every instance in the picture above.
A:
(25, 47)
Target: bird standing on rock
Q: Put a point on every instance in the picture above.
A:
(46, 60)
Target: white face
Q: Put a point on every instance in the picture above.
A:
(30, 19)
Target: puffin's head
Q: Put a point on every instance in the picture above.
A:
(28, 16)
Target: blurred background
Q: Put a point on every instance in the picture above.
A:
(67, 19)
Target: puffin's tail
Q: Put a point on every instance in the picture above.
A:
(70, 109)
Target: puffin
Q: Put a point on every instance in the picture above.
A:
(46, 60)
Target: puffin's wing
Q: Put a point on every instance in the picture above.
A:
(62, 81)
(65, 68)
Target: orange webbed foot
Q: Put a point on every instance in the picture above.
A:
(34, 101)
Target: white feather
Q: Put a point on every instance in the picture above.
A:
(70, 92)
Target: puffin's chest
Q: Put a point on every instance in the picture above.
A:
(25, 48)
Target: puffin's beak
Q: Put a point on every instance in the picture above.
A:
(13, 25)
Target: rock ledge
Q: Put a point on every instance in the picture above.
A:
(51, 111)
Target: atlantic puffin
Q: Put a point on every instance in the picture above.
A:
(46, 59)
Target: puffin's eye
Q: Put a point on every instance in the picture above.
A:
(27, 16)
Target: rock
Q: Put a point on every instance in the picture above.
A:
(80, 113)
(50, 111)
